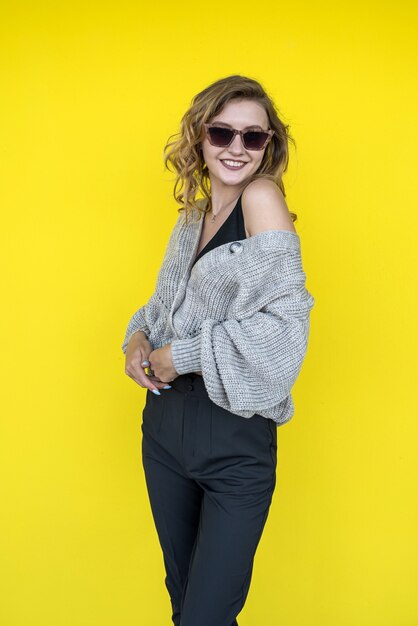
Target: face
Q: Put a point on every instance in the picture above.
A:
(238, 114)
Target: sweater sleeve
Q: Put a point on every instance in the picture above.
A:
(251, 364)
(147, 314)
(137, 322)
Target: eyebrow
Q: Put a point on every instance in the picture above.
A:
(229, 125)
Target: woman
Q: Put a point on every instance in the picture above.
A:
(228, 327)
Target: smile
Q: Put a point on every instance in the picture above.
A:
(233, 165)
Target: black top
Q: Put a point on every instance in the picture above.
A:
(232, 229)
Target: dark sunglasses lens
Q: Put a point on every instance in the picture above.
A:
(220, 136)
(255, 139)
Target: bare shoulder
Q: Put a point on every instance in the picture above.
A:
(264, 208)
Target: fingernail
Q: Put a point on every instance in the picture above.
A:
(145, 363)
(157, 393)
(167, 387)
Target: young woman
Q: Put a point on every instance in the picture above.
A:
(227, 327)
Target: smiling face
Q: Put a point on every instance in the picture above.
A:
(239, 114)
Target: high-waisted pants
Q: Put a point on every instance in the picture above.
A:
(210, 476)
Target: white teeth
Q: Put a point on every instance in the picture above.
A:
(234, 163)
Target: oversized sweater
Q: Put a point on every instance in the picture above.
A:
(240, 316)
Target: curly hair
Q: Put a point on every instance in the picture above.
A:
(185, 153)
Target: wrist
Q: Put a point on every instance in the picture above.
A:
(139, 336)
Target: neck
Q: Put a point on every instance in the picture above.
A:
(223, 196)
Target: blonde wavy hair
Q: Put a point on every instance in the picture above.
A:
(185, 153)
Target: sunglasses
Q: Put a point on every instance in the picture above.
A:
(223, 137)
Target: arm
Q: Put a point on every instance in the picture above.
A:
(150, 310)
(136, 323)
(250, 364)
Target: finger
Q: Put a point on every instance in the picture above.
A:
(143, 380)
(160, 383)
(155, 379)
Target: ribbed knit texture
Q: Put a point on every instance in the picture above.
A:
(240, 315)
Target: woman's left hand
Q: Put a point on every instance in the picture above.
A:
(162, 365)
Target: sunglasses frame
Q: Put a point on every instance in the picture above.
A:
(235, 132)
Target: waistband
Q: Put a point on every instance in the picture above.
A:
(192, 384)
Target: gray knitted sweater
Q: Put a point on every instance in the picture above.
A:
(240, 315)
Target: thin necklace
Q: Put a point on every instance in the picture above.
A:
(213, 218)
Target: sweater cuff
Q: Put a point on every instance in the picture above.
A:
(129, 335)
(185, 354)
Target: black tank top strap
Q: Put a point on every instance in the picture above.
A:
(232, 229)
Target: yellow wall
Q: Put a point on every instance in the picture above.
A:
(89, 95)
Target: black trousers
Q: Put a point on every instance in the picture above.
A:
(210, 477)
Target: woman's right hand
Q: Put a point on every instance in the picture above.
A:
(138, 351)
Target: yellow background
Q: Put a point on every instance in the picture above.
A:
(89, 95)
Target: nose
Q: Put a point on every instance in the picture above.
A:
(236, 146)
